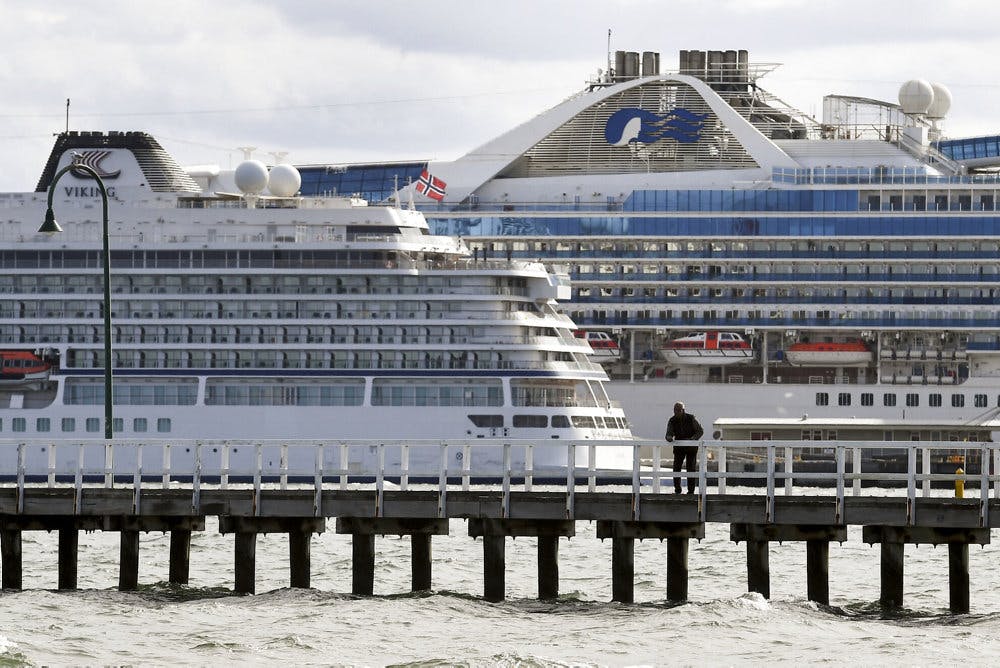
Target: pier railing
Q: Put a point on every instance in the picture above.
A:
(833, 469)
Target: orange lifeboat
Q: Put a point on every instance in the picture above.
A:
(605, 349)
(21, 367)
(709, 348)
(845, 353)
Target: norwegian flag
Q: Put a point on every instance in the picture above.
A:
(431, 186)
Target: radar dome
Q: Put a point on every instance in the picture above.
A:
(916, 96)
(251, 177)
(285, 181)
(942, 101)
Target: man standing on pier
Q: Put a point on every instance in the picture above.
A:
(684, 427)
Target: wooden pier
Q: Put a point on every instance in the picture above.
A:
(70, 498)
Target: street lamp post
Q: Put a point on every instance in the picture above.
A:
(50, 226)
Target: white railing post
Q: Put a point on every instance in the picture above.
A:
(570, 480)
(379, 479)
(769, 507)
(839, 509)
(984, 485)
(259, 464)
(591, 468)
(656, 469)
(636, 483)
(318, 481)
(224, 469)
(466, 466)
(722, 469)
(344, 464)
(283, 467)
(137, 480)
(78, 483)
(925, 466)
(21, 457)
(109, 463)
(196, 481)
(788, 470)
(443, 480)
(166, 465)
(529, 462)
(911, 484)
(404, 467)
(52, 465)
(856, 467)
(506, 480)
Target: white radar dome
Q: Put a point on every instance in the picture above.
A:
(916, 96)
(285, 181)
(251, 177)
(942, 101)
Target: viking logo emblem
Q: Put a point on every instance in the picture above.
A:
(632, 125)
(93, 159)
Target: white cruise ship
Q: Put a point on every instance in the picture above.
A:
(242, 310)
(747, 258)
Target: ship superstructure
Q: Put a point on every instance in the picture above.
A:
(856, 254)
(241, 309)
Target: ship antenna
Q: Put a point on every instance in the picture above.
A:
(67, 115)
(609, 49)
(395, 188)
(410, 190)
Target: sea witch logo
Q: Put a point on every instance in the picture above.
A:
(93, 159)
(640, 126)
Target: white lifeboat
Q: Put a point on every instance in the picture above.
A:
(708, 348)
(605, 348)
(845, 353)
(21, 367)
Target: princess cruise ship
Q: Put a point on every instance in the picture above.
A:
(746, 258)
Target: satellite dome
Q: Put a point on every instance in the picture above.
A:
(285, 181)
(942, 101)
(251, 177)
(916, 96)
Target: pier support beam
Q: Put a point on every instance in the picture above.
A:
(300, 558)
(363, 531)
(128, 564)
(892, 540)
(69, 544)
(180, 556)
(10, 558)
(817, 539)
(246, 530)
(494, 532)
(677, 535)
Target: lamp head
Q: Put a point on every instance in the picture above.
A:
(50, 226)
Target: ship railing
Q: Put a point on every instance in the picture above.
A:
(838, 471)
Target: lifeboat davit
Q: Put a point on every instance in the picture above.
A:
(21, 367)
(709, 348)
(605, 348)
(846, 353)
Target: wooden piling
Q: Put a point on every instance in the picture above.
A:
(818, 571)
(622, 569)
(758, 568)
(494, 567)
(363, 564)
(958, 577)
(548, 568)
(246, 562)
(10, 558)
(69, 542)
(299, 558)
(128, 565)
(420, 562)
(891, 596)
(180, 556)
(677, 569)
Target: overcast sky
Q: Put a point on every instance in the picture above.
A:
(372, 80)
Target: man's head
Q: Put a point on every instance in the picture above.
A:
(679, 408)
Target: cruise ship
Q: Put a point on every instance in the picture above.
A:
(241, 309)
(747, 258)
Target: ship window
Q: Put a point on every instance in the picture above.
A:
(822, 399)
(163, 425)
(139, 425)
(888, 399)
(487, 421)
(958, 400)
(19, 424)
(760, 436)
(42, 424)
(93, 424)
(560, 421)
(867, 399)
(69, 424)
(536, 421)
(844, 399)
(912, 399)
(980, 400)
(583, 421)
(117, 425)
(934, 400)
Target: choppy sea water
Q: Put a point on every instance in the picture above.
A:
(204, 623)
